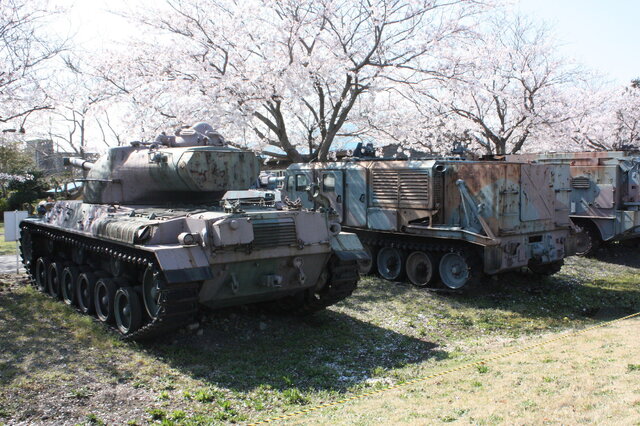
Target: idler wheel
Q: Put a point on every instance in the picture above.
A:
(68, 284)
(54, 273)
(104, 295)
(42, 267)
(390, 261)
(366, 267)
(26, 248)
(85, 289)
(151, 291)
(587, 240)
(420, 269)
(127, 310)
(457, 270)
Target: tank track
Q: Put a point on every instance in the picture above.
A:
(178, 304)
(390, 241)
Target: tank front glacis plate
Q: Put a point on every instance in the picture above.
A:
(262, 278)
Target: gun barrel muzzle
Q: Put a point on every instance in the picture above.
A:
(78, 162)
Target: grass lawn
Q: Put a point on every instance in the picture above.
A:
(6, 247)
(243, 365)
(592, 378)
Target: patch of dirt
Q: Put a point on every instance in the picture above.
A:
(79, 398)
(9, 282)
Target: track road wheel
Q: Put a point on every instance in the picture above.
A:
(151, 291)
(54, 274)
(85, 289)
(458, 270)
(390, 261)
(366, 267)
(42, 267)
(420, 268)
(587, 240)
(547, 269)
(68, 284)
(104, 295)
(127, 310)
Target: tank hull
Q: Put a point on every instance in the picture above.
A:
(195, 256)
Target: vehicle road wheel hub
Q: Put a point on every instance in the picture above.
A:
(420, 270)
(454, 270)
(390, 262)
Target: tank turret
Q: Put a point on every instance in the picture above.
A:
(194, 166)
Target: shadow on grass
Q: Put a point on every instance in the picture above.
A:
(241, 349)
(624, 253)
(328, 351)
(555, 298)
(584, 289)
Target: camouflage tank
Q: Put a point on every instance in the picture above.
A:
(450, 219)
(605, 194)
(152, 241)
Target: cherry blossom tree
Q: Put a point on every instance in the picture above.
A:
(290, 74)
(610, 118)
(78, 118)
(512, 90)
(26, 50)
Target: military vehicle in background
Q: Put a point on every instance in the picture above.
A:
(605, 194)
(265, 191)
(150, 242)
(446, 218)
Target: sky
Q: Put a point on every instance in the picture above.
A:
(603, 35)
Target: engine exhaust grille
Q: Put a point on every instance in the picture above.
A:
(274, 232)
(414, 188)
(384, 185)
(400, 188)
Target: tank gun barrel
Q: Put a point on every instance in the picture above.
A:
(78, 162)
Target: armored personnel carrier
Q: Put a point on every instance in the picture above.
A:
(445, 218)
(605, 194)
(150, 242)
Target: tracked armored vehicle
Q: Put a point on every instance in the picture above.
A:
(446, 219)
(150, 242)
(605, 194)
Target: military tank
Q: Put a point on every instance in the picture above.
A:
(153, 239)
